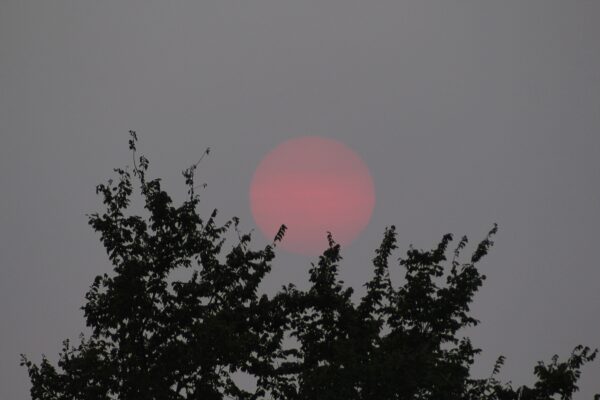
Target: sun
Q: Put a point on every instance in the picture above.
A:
(313, 185)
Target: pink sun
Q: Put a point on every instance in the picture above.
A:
(312, 185)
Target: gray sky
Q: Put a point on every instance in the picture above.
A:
(467, 113)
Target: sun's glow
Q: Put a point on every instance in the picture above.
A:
(313, 185)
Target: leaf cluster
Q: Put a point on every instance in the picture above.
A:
(156, 335)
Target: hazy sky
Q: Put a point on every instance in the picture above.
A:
(467, 113)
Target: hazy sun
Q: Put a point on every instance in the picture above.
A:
(312, 185)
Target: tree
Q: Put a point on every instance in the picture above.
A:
(158, 335)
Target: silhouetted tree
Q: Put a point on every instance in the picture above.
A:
(158, 335)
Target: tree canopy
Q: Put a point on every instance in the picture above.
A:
(155, 334)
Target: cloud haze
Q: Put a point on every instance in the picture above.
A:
(467, 113)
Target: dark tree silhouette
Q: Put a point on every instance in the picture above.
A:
(157, 335)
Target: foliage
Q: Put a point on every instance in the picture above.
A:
(155, 335)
